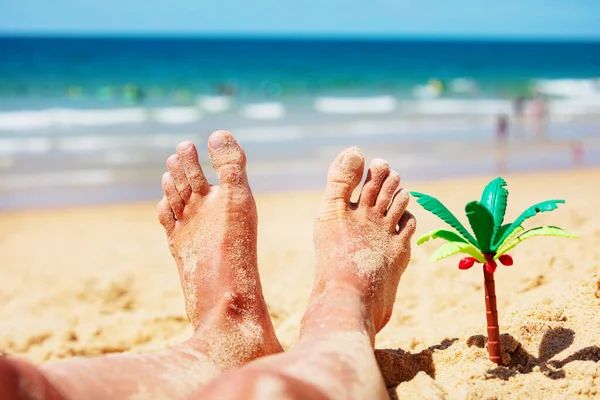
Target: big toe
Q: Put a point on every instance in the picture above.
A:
(344, 175)
(228, 159)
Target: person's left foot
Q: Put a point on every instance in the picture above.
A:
(212, 234)
(362, 248)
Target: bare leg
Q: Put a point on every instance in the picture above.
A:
(362, 251)
(212, 232)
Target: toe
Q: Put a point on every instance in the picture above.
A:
(344, 175)
(165, 215)
(398, 207)
(188, 156)
(388, 189)
(407, 226)
(377, 173)
(179, 179)
(172, 195)
(228, 159)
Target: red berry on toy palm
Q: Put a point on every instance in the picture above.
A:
(466, 263)
(489, 242)
(505, 259)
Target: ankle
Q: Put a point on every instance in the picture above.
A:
(340, 307)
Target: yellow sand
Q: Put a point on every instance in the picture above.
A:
(94, 280)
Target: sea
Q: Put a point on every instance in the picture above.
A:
(88, 120)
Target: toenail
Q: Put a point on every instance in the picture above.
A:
(184, 145)
(218, 139)
(172, 159)
(352, 160)
(379, 162)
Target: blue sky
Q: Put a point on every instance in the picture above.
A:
(505, 18)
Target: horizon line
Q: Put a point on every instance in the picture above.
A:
(42, 34)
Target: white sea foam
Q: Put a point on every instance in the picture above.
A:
(124, 157)
(270, 134)
(22, 121)
(457, 107)
(576, 97)
(570, 88)
(91, 143)
(215, 104)
(271, 110)
(30, 120)
(59, 178)
(427, 91)
(177, 115)
(574, 107)
(24, 145)
(355, 105)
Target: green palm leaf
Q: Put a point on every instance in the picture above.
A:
(494, 198)
(482, 223)
(544, 206)
(501, 231)
(436, 207)
(441, 234)
(510, 237)
(451, 248)
(539, 231)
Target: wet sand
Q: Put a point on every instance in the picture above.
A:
(96, 280)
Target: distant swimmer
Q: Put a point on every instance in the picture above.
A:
(539, 114)
(577, 152)
(519, 113)
(226, 89)
(519, 106)
(501, 142)
(133, 93)
(502, 128)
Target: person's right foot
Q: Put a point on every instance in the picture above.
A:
(212, 234)
(362, 249)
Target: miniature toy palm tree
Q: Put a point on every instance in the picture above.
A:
(490, 243)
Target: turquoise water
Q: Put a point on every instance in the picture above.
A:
(92, 120)
(37, 72)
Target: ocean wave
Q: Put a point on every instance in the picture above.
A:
(574, 102)
(30, 120)
(59, 178)
(569, 88)
(63, 117)
(91, 143)
(456, 107)
(215, 104)
(176, 115)
(25, 145)
(355, 105)
(272, 110)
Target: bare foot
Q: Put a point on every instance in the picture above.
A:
(212, 234)
(362, 248)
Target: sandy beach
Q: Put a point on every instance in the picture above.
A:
(100, 279)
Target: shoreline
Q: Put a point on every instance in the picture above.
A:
(101, 183)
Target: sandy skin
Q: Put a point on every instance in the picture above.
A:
(362, 250)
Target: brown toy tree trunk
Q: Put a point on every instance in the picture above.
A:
(491, 312)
